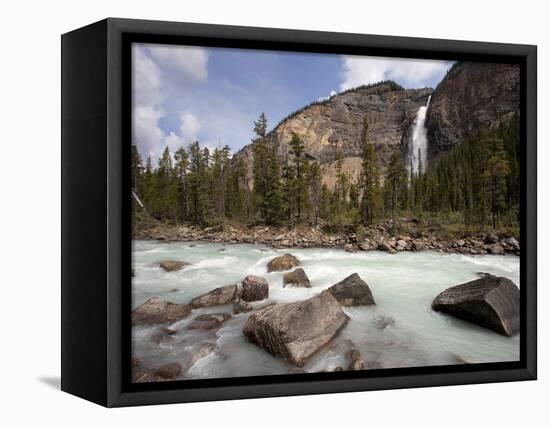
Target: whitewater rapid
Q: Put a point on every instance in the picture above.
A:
(403, 286)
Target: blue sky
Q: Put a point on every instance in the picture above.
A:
(213, 95)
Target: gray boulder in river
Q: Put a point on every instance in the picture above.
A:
(297, 278)
(158, 311)
(283, 263)
(491, 302)
(218, 296)
(296, 331)
(172, 265)
(352, 291)
(254, 288)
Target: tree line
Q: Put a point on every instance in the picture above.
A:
(477, 182)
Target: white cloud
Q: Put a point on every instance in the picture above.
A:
(189, 127)
(146, 79)
(410, 73)
(146, 132)
(190, 61)
(150, 64)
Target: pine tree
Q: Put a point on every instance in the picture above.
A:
(396, 174)
(300, 188)
(315, 190)
(181, 158)
(498, 168)
(340, 184)
(371, 200)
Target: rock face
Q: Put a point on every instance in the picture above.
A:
(337, 123)
(172, 265)
(472, 95)
(254, 288)
(282, 263)
(491, 302)
(296, 331)
(297, 278)
(158, 311)
(218, 296)
(352, 291)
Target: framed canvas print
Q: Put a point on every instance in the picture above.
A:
(253, 212)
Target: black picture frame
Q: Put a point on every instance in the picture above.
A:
(96, 228)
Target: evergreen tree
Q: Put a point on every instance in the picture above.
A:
(371, 200)
(300, 187)
(396, 174)
(498, 168)
(181, 158)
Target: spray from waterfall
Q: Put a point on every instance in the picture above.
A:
(418, 145)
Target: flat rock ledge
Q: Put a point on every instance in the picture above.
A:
(297, 278)
(283, 263)
(158, 311)
(254, 288)
(173, 265)
(296, 331)
(352, 291)
(490, 302)
(216, 297)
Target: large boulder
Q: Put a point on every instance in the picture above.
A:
(491, 302)
(296, 331)
(297, 278)
(172, 265)
(283, 263)
(352, 291)
(254, 288)
(158, 311)
(218, 296)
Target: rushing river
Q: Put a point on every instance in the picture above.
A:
(403, 286)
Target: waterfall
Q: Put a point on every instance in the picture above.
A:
(418, 144)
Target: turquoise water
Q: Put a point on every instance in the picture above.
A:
(403, 285)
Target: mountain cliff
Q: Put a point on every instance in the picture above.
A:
(472, 95)
(336, 124)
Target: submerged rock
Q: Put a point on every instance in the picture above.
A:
(241, 306)
(296, 331)
(208, 321)
(216, 297)
(356, 361)
(168, 371)
(297, 278)
(172, 265)
(254, 288)
(203, 350)
(162, 335)
(158, 311)
(382, 322)
(491, 302)
(282, 263)
(352, 291)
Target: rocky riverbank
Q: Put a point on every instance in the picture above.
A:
(380, 237)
